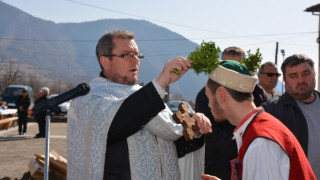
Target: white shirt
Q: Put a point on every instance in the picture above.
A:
(264, 159)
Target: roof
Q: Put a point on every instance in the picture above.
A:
(19, 86)
(315, 8)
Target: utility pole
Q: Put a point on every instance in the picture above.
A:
(283, 54)
(316, 11)
(276, 58)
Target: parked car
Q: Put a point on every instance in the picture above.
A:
(63, 106)
(174, 104)
(12, 92)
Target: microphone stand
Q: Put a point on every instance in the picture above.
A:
(47, 157)
(52, 105)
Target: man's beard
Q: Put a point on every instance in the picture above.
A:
(306, 94)
(127, 81)
(218, 112)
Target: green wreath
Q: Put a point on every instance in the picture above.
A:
(205, 58)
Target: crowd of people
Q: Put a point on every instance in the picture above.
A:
(248, 129)
(121, 130)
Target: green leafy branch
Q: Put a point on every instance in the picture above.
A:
(253, 61)
(205, 58)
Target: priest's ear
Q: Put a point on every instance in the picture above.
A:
(104, 62)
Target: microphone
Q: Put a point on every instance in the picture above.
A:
(80, 90)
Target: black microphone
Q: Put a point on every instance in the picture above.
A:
(80, 90)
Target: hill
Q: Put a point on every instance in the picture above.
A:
(66, 51)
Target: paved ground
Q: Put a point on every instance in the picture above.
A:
(16, 151)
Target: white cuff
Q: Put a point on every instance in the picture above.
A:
(159, 89)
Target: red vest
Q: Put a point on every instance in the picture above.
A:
(266, 126)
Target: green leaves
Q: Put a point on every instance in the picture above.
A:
(205, 58)
(253, 61)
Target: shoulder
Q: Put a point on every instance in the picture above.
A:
(201, 93)
(276, 162)
(264, 144)
(265, 150)
(202, 97)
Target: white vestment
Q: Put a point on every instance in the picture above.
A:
(152, 153)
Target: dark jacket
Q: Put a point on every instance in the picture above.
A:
(25, 103)
(259, 96)
(286, 109)
(41, 115)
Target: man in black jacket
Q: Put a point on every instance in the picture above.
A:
(40, 117)
(298, 108)
(22, 104)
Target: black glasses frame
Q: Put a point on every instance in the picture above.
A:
(139, 56)
(271, 74)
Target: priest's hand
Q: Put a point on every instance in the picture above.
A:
(208, 177)
(203, 123)
(173, 70)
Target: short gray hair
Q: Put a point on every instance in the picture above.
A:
(269, 63)
(45, 89)
(105, 44)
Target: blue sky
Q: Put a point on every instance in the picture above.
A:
(249, 24)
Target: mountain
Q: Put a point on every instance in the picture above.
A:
(67, 50)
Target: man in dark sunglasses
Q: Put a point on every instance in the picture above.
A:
(268, 78)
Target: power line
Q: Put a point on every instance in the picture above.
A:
(165, 39)
(167, 22)
(87, 56)
(272, 41)
(134, 15)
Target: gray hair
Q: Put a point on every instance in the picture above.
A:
(233, 51)
(269, 63)
(105, 44)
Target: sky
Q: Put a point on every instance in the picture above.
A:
(249, 24)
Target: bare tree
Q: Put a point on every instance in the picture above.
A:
(35, 83)
(69, 86)
(59, 87)
(56, 87)
(9, 75)
(13, 75)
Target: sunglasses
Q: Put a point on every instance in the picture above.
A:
(271, 74)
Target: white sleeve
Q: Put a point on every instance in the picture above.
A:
(159, 89)
(265, 159)
(164, 126)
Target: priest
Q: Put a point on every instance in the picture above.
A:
(121, 130)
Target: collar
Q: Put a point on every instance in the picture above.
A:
(240, 129)
(289, 100)
(247, 117)
(102, 75)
